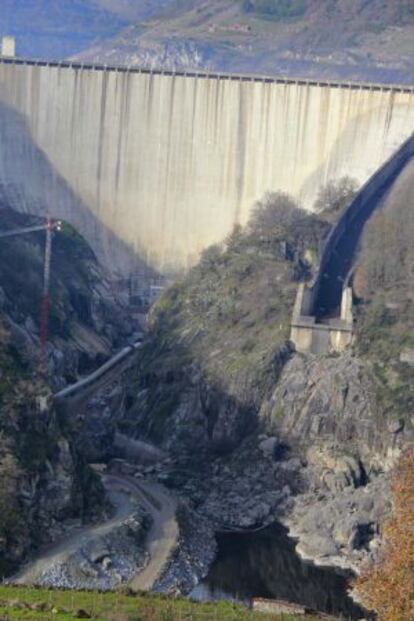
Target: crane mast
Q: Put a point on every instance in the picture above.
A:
(44, 312)
(49, 227)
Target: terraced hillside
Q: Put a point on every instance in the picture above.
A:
(355, 40)
(352, 40)
(49, 29)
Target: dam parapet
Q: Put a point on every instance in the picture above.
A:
(9, 43)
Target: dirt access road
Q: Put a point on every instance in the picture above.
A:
(124, 493)
(163, 536)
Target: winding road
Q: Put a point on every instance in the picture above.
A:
(163, 537)
(124, 492)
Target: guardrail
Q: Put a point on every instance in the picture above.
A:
(87, 382)
(214, 75)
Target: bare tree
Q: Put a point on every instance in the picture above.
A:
(336, 195)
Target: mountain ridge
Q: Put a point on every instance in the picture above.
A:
(360, 41)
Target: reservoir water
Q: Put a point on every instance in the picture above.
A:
(265, 564)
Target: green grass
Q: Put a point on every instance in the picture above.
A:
(117, 606)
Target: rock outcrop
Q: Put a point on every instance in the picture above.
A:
(307, 440)
(47, 484)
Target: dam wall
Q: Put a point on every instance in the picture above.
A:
(158, 166)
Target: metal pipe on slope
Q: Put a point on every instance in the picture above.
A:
(87, 382)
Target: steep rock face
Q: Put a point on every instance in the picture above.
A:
(327, 409)
(86, 321)
(219, 338)
(332, 401)
(200, 415)
(320, 440)
(45, 478)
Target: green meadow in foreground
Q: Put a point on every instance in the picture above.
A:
(29, 604)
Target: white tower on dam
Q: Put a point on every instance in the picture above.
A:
(164, 165)
(8, 47)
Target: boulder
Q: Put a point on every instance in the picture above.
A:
(99, 554)
(16, 604)
(39, 606)
(395, 426)
(317, 546)
(269, 446)
(345, 531)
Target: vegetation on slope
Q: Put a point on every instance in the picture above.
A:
(276, 9)
(388, 587)
(21, 273)
(335, 197)
(316, 38)
(392, 13)
(384, 284)
(43, 477)
(226, 326)
(25, 604)
(356, 39)
(26, 441)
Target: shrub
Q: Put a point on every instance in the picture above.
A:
(277, 211)
(10, 474)
(388, 588)
(276, 9)
(336, 195)
(210, 258)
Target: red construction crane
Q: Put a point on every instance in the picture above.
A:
(49, 226)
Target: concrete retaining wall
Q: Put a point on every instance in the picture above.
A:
(320, 338)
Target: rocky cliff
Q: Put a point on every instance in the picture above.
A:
(44, 477)
(219, 338)
(308, 440)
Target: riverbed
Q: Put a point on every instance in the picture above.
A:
(265, 564)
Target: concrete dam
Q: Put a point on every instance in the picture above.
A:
(154, 167)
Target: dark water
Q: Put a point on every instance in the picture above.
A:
(265, 564)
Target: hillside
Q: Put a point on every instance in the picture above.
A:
(49, 29)
(266, 431)
(44, 477)
(34, 604)
(384, 286)
(224, 330)
(356, 40)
